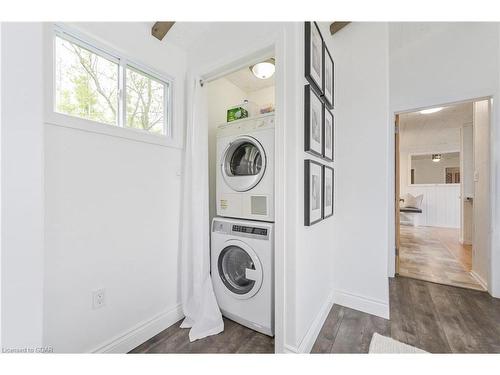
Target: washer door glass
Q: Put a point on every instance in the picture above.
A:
(233, 264)
(243, 163)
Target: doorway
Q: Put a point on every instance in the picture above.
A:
(232, 83)
(442, 198)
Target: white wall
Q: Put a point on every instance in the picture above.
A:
(440, 205)
(438, 63)
(262, 97)
(112, 219)
(307, 271)
(429, 172)
(360, 242)
(22, 185)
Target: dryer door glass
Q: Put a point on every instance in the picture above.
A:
(246, 160)
(243, 163)
(233, 264)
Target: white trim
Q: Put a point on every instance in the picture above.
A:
(136, 135)
(479, 279)
(310, 337)
(142, 332)
(281, 98)
(288, 349)
(446, 104)
(362, 303)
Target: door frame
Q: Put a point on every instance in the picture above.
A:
(397, 180)
(393, 163)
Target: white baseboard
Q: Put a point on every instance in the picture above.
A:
(290, 349)
(141, 332)
(362, 303)
(479, 279)
(310, 337)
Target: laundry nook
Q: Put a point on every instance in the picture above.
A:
(242, 230)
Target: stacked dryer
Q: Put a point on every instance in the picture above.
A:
(242, 259)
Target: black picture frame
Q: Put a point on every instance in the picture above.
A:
(327, 112)
(316, 82)
(310, 112)
(325, 193)
(327, 58)
(308, 221)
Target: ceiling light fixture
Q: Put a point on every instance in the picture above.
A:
(436, 158)
(431, 110)
(263, 69)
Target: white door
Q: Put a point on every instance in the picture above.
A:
(481, 207)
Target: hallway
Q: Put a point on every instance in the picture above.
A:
(435, 254)
(432, 317)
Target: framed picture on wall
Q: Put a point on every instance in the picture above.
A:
(328, 74)
(313, 194)
(313, 122)
(328, 134)
(328, 186)
(314, 56)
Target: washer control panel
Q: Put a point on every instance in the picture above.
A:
(250, 230)
(222, 227)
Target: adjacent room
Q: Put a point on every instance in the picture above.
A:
(440, 156)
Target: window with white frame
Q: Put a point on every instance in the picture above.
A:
(96, 85)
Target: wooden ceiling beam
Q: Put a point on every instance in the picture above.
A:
(160, 29)
(337, 26)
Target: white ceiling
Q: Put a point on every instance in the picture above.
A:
(453, 116)
(432, 132)
(246, 81)
(187, 34)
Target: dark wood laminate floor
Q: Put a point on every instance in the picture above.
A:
(234, 339)
(433, 317)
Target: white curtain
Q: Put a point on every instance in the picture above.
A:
(202, 314)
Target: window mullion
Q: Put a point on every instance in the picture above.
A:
(122, 84)
(167, 128)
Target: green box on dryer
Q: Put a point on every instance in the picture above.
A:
(236, 113)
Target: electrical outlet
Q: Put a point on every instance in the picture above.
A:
(98, 298)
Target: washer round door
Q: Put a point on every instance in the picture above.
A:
(240, 269)
(243, 163)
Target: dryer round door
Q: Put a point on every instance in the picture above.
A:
(243, 163)
(240, 269)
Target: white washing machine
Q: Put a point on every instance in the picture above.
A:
(243, 272)
(245, 170)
